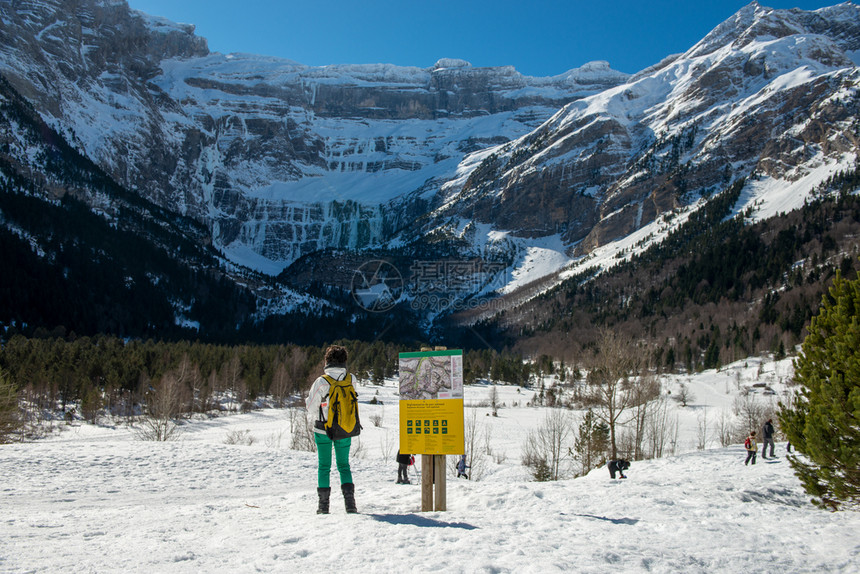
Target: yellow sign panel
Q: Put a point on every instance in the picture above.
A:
(431, 402)
(432, 426)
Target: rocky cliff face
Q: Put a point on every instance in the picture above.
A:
(281, 161)
(277, 158)
(771, 93)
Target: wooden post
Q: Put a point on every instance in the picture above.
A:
(441, 487)
(427, 474)
(433, 474)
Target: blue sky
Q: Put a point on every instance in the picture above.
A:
(537, 37)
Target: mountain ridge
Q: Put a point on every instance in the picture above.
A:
(299, 172)
(230, 126)
(661, 135)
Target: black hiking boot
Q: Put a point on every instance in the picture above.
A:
(324, 495)
(348, 490)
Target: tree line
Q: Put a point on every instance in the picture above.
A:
(107, 375)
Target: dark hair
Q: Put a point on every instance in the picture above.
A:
(336, 356)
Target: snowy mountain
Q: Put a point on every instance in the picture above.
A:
(231, 496)
(277, 158)
(304, 173)
(769, 93)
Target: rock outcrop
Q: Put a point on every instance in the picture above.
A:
(265, 151)
(772, 93)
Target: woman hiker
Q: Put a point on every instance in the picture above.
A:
(317, 405)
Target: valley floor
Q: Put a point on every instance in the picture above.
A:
(95, 499)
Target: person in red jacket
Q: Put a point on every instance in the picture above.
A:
(752, 447)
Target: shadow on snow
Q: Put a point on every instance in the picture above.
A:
(415, 520)
(629, 521)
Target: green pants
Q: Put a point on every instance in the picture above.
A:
(341, 454)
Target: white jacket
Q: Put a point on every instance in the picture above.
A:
(317, 397)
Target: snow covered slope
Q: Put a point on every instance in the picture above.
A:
(769, 94)
(95, 499)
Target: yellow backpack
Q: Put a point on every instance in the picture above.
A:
(342, 421)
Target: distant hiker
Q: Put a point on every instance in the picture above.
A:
(751, 447)
(618, 466)
(332, 402)
(403, 462)
(767, 438)
(462, 466)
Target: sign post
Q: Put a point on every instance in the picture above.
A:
(427, 477)
(441, 486)
(431, 416)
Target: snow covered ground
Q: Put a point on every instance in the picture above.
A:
(96, 499)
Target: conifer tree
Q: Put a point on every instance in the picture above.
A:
(823, 423)
(592, 442)
(10, 420)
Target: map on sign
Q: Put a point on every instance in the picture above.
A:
(431, 375)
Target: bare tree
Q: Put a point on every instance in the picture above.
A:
(644, 392)
(488, 441)
(494, 400)
(546, 446)
(206, 395)
(473, 432)
(725, 429)
(35, 401)
(241, 437)
(233, 381)
(387, 444)
(302, 431)
(377, 417)
(356, 449)
(92, 403)
(163, 407)
(610, 377)
(684, 395)
(273, 441)
(749, 411)
(188, 381)
(662, 430)
(702, 430)
(297, 369)
(280, 384)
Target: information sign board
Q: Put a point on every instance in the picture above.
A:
(431, 402)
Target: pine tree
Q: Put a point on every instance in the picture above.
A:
(592, 442)
(542, 472)
(823, 423)
(10, 419)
